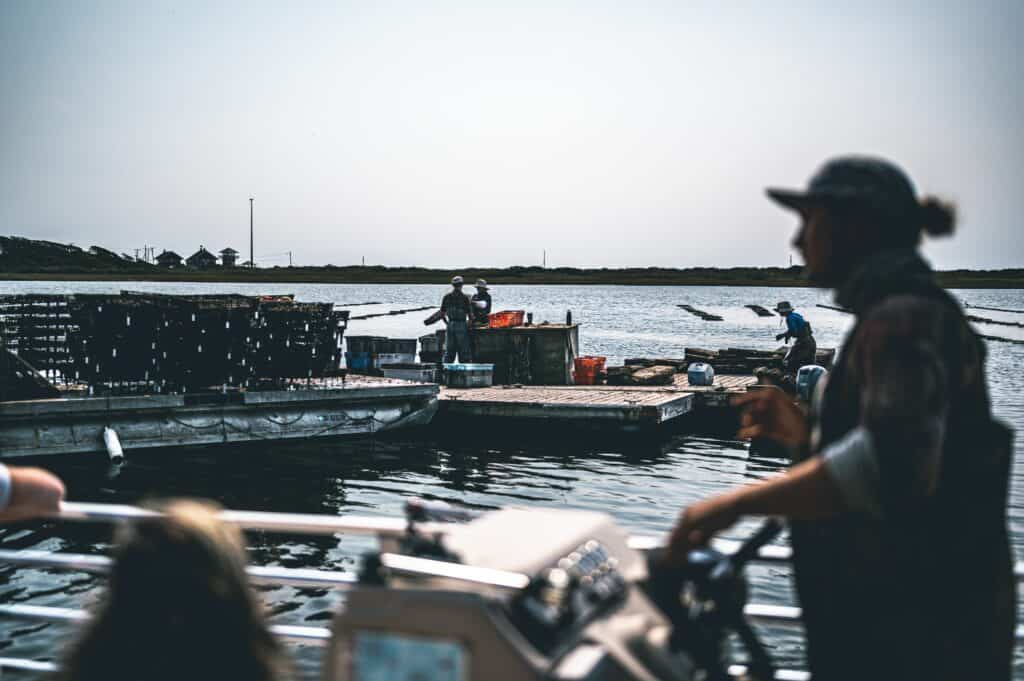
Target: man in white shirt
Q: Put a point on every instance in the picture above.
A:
(28, 493)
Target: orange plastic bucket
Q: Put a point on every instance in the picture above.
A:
(588, 368)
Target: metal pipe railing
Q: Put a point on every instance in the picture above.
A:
(43, 613)
(739, 671)
(299, 523)
(20, 664)
(296, 523)
(297, 577)
(363, 525)
(781, 615)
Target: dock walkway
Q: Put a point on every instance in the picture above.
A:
(598, 404)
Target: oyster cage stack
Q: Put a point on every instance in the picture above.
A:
(143, 343)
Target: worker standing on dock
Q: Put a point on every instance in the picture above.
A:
(457, 311)
(805, 349)
(481, 303)
(897, 500)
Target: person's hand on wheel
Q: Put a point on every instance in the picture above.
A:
(698, 523)
(771, 414)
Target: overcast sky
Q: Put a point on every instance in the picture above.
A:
(474, 133)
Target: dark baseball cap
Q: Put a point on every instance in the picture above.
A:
(871, 183)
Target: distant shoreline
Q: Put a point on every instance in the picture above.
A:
(759, 277)
(24, 259)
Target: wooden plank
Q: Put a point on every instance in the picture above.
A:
(569, 404)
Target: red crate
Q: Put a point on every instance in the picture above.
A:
(505, 319)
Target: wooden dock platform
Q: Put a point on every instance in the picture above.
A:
(598, 404)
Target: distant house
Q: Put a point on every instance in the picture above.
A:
(168, 259)
(229, 257)
(201, 259)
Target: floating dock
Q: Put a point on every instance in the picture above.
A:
(76, 425)
(599, 405)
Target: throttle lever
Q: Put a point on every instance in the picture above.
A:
(704, 599)
(768, 531)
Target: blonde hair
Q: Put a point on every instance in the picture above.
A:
(178, 605)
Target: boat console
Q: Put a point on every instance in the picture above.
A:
(522, 595)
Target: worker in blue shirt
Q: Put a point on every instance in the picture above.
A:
(805, 349)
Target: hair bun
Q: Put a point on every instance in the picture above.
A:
(938, 217)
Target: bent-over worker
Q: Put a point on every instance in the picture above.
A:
(457, 310)
(805, 349)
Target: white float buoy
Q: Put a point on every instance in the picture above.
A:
(113, 444)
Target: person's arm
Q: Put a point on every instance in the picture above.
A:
(889, 462)
(787, 334)
(28, 493)
(805, 492)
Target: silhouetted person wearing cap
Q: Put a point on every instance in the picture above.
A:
(897, 500)
(481, 301)
(805, 349)
(457, 312)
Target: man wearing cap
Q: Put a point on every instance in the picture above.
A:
(457, 311)
(481, 301)
(897, 497)
(805, 349)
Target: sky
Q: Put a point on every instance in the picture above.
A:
(453, 134)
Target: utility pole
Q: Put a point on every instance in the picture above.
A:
(544, 264)
(289, 258)
(252, 260)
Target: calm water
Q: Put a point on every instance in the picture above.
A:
(643, 484)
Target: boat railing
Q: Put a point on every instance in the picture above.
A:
(380, 527)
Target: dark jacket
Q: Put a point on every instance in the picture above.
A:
(480, 314)
(924, 589)
(456, 306)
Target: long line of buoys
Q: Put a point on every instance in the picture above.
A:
(393, 312)
(971, 318)
(986, 320)
(706, 316)
(760, 310)
(993, 309)
(834, 307)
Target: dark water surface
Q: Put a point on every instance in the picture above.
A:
(642, 483)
